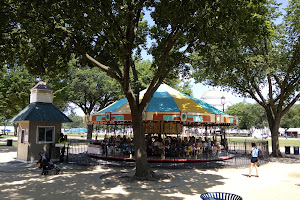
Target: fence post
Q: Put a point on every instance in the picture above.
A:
(50, 150)
(234, 147)
(267, 143)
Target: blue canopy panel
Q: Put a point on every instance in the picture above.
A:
(162, 101)
(78, 130)
(115, 106)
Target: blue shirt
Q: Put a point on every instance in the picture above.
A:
(254, 152)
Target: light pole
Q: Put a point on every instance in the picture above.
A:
(223, 102)
(223, 129)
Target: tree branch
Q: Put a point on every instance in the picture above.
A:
(156, 82)
(257, 90)
(271, 94)
(291, 104)
(98, 64)
(294, 62)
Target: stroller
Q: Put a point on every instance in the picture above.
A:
(44, 162)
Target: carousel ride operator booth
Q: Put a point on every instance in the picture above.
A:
(166, 115)
(39, 125)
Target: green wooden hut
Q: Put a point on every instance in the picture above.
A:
(39, 125)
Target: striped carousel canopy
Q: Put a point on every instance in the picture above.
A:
(167, 104)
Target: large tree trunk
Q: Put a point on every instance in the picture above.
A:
(142, 167)
(275, 138)
(90, 131)
(274, 124)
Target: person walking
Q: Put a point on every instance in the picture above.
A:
(62, 140)
(254, 159)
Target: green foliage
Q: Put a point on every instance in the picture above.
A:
(292, 118)
(91, 89)
(59, 84)
(250, 115)
(146, 72)
(77, 122)
(242, 62)
(110, 34)
(182, 86)
(15, 85)
(258, 54)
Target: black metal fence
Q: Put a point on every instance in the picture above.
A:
(238, 154)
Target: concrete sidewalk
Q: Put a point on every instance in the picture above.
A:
(280, 179)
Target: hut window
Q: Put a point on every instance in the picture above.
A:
(45, 134)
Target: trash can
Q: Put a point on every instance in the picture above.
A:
(9, 142)
(296, 150)
(219, 195)
(287, 149)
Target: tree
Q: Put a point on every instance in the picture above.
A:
(145, 73)
(111, 34)
(260, 118)
(59, 84)
(257, 58)
(292, 118)
(91, 90)
(15, 85)
(250, 115)
(76, 122)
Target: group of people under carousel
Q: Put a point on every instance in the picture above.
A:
(157, 146)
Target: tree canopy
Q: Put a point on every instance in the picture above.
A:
(15, 85)
(259, 62)
(110, 34)
(250, 115)
(292, 118)
(91, 90)
(77, 122)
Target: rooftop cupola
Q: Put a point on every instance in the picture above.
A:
(41, 92)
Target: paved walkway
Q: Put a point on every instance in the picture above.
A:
(280, 179)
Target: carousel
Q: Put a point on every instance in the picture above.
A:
(167, 119)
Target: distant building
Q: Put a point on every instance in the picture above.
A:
(293, 132)
(214, 98)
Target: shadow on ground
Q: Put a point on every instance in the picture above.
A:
(86, 183)
(5, 149)
(287, 159)
(24, 181)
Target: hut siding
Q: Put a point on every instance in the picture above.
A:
(30, 151)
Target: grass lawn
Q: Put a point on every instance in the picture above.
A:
(282, 142)
(4, 138)
(15, 143)
(7, 136)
